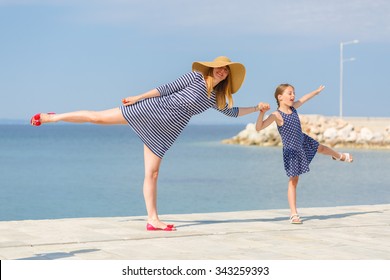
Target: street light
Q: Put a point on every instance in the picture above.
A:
(342, 60)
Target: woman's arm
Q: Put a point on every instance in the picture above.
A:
(181, 83)
(239, 111)
(169, 88)
(134, 99)
(307, 97)
(242, 111)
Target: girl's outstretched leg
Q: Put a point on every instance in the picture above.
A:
(152, 167)
(107, 117)
(325, 150)
(292, 199)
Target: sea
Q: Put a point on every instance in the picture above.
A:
(82, 170)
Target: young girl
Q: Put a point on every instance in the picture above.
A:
(298, 148)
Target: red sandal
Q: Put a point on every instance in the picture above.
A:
(150, 227)
(36, 119)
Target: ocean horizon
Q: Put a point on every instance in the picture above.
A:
(71, 171)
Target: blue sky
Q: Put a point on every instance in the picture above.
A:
(65, 55)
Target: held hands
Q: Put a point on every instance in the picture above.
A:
(263, 107)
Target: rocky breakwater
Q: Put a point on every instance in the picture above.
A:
(331, 131)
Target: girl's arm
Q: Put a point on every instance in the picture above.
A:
(261, 123)
(307, 97)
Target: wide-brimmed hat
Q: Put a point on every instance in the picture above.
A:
(237, 70)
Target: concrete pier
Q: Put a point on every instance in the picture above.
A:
(335, 233)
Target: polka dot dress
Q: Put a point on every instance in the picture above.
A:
(298, 148)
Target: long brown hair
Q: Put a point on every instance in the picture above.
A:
(222, 90)
(279, 91)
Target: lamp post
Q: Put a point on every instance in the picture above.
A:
(342, 60)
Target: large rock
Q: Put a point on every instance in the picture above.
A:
(330, 131)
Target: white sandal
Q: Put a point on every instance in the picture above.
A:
(295, 219)
(347, 157)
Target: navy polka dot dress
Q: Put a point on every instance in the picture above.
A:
(298, 148)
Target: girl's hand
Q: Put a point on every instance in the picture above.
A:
(319, 89)
(263, 107)
(130, 100)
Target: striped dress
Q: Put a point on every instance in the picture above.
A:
(158, 121)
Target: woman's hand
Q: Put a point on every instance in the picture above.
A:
(130, 100)
(134, 99)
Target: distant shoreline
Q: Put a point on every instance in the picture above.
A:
(370, 122)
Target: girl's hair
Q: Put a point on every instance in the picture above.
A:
(279, 91)
(222, 90)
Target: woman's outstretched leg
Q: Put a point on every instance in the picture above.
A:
(106, 117)
(152, 167)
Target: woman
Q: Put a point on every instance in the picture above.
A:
(159, 115)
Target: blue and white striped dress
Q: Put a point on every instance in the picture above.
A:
(158, 121)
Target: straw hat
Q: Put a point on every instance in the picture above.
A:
(237, 70)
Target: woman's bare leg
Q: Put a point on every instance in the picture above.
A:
(106, 117)
(152, 167)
